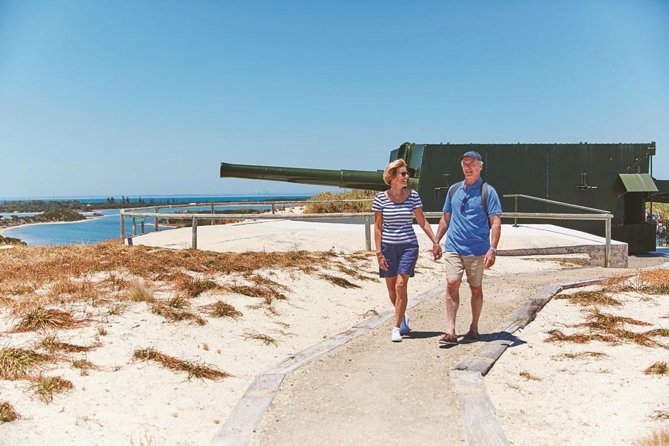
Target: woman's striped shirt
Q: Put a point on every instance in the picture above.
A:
(397, 218)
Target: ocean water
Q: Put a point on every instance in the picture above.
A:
(107, 226)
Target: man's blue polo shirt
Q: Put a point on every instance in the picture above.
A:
(468, 231)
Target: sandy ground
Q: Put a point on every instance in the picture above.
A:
(374, 392)
(359, 389)
(124, 401)
(562, 393)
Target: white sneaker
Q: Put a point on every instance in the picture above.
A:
(395, 335)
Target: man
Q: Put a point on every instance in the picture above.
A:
(661, 233)
(473, 230)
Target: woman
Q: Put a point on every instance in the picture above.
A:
(396, 242)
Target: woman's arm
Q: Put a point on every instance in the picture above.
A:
(425, 225)
(378, 224)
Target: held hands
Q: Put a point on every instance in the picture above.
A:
(436, 251)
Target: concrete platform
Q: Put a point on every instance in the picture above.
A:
(288, 235)
(538, 239)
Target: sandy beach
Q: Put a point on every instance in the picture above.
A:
(122, 400)
(118, 402)
(593, 393)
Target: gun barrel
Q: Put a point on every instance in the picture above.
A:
(353, 179)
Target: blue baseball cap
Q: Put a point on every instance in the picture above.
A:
(471, 154)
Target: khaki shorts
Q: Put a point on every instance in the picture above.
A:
(456, 265)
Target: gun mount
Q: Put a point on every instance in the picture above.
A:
(616, 177)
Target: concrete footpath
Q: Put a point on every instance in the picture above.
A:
(372, 391)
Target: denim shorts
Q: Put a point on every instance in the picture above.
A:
(401, 259)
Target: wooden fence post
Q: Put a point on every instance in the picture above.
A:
(194, 241)
(155, 219)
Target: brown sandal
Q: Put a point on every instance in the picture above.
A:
(471, 337)
(448, 340)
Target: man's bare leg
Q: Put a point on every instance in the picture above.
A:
(452, 305)
(477, 306)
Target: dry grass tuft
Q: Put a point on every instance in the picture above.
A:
(174, 315)
(264, 281)
(360, 256)
(558, 336)
(528, 376)
(114, 281)
(7, 413)
(266, 293)
(339, 281)
(46, 387)
(659, 368)
(658, 438)
(266, 339)
(353, 273)
(116, 309)
(138, 292)
(67, 289)
(606, 321)
(222, 309)
(655, 281)
(658, 332)
(83, 365)
(194, 370)
(179, 302)
(192, 287)
(16, 363)
(53, 344)
(617, 283)
(41, 318)
(589, 298)
(660, 415)
(581, 355)
(637, 338)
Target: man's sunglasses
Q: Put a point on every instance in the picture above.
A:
(404, 174)
(464, 204)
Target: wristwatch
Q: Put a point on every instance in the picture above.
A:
(494, 251)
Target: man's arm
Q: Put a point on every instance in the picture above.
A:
(425, 225)
(443, 226)
(495, 233)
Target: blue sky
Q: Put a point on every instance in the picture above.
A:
(102, 98)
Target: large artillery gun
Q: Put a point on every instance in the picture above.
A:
(351, 179)
(615, 177)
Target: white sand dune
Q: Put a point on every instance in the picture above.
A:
(124, 401)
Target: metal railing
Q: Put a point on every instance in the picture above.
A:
(599, 214)
(137, 216)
